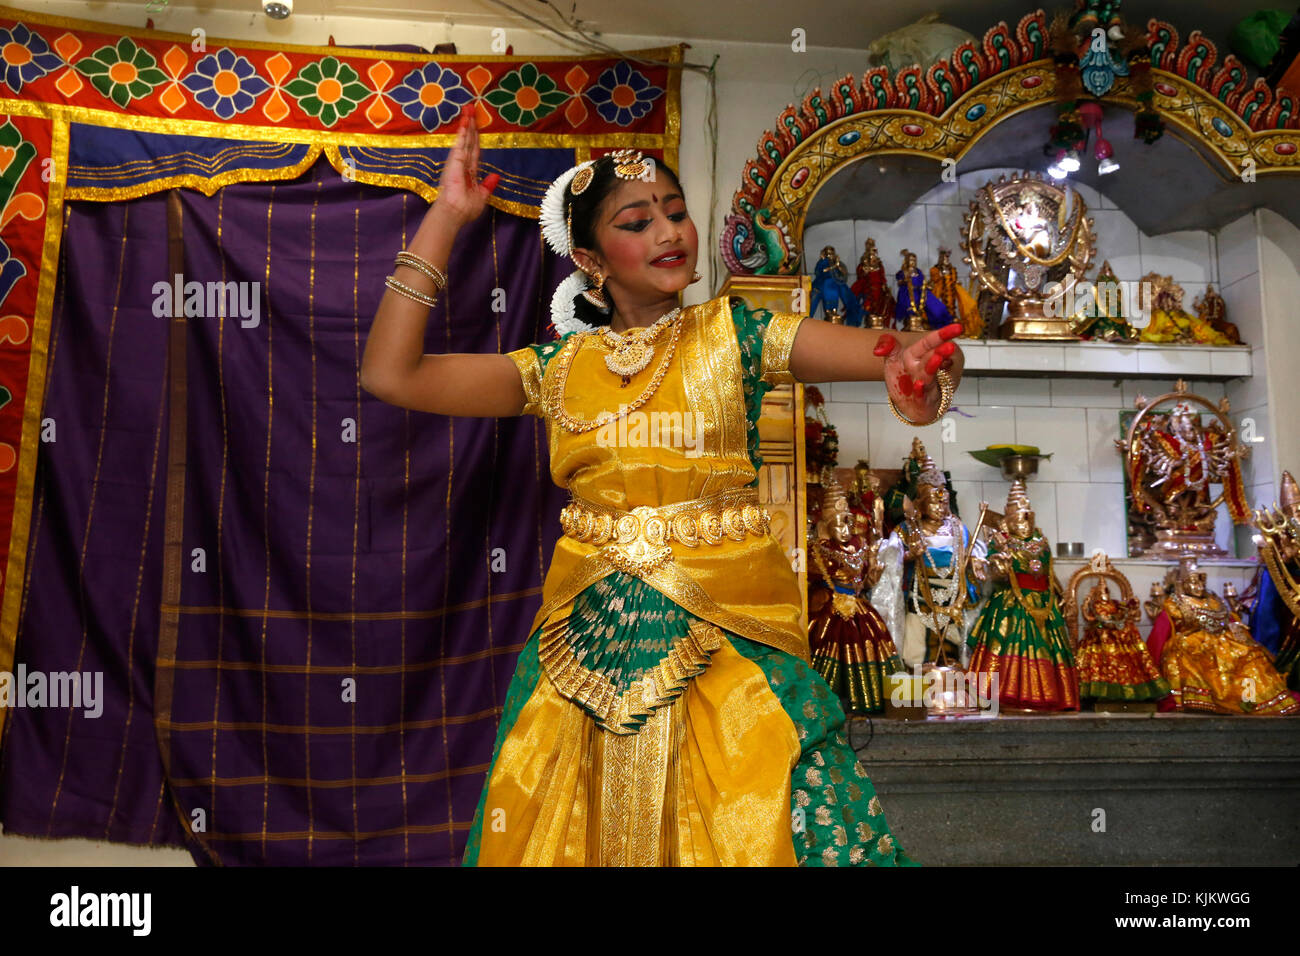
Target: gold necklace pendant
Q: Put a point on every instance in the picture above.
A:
(633, 350)
(628, 358)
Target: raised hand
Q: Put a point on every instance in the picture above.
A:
(911, 372)
(460, 194)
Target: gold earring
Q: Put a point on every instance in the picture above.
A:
(596, 295)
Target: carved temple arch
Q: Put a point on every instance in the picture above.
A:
(943, 113)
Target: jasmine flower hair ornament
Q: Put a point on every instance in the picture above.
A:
(556, 231)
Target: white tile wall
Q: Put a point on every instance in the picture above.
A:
(1117, 243)
(1184, 255)
(1014, 391)
(1238, 250)
(1059, 432)
(1241, 298)
(976, 427)
(1078, 505)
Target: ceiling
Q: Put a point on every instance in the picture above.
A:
(831, 23)
(1154, 185)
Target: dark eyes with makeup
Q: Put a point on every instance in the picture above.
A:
(637, 225)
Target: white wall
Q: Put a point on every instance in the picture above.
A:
(1279, 247)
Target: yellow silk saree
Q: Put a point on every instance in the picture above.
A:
(663, 710)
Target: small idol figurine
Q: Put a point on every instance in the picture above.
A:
(1276, 614)
(1020, 639)
(849, 643)
(1170, 322)
(906, 486)
(1213, 311)
(1208, 656)
(918, 309)
(1104, 320)
(872, 288)
(866, 499)
(961, 305)
(942, 566)
(1114, 663)
(831, 291)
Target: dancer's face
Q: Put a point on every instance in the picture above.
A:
(647, 243)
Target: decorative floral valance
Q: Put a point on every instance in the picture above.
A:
(97, 112)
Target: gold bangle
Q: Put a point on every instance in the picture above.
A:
(946, 390)
(402, 289)
(413, 261)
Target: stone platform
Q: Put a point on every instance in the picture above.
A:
(1173, 789)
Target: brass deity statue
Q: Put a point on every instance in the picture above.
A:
(1276, 616)
(1170, 322)
(1026, 239)
(943, 561)
(1208, 656)
(872, 287)
(1171, 458)
(850, 646)
(1213, 311)
(961, 305)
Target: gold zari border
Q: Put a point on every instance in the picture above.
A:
(530, 372)
(778, 343)
(635, 776)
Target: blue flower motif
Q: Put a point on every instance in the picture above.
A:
(24, 57)
(431, 95)
(225, 83)
(622, 95)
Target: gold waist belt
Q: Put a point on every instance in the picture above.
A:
(637, 540)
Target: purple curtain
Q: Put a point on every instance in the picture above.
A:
(352, 581)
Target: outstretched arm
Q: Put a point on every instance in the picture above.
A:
(394, 367)
(907, 362)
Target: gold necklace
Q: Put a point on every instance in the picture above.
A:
(632, 350)
(555, 395)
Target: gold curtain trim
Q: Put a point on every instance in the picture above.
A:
(612, 711)
(20, 529)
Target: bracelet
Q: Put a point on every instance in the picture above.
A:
(403, 289)
(423, 265)
(945, 400)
